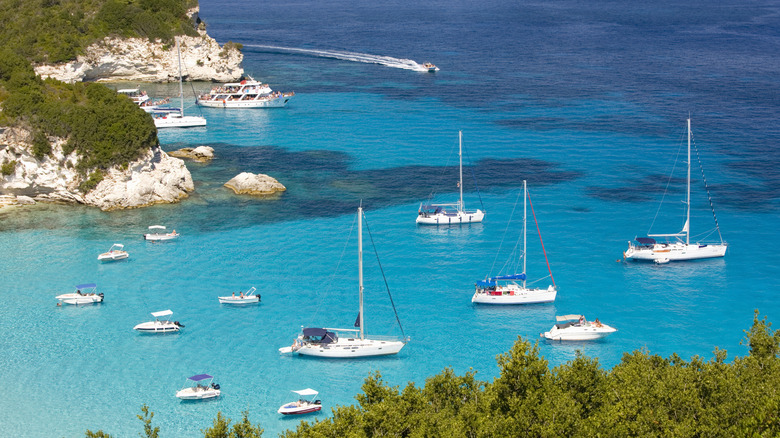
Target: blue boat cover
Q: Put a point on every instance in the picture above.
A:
(86, 286)
(326, 336)
(646, 240)
(313, 331)
(200, 377)
(491, 282)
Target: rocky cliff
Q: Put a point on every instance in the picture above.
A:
(152, 179)
(138, 59)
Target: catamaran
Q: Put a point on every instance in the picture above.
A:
(345, 343)
(650, 249)
(504, 289)
(447, 214)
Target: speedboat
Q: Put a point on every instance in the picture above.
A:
(159, 326)
(577, 328)
(248, 93)
(85, 294)
(116, 252)
(303, 405)
(430, 67)
(243, 298)
(157, 233)
(199, 387)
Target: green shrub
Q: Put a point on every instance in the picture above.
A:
(8, 167)
(41, 145)
(92, 182)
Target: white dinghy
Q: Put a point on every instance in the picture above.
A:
(85, 294)
(242, 298)
(158, 233)
(158, 325)
(304, 405)
(116, 252)
(577, 328)
(199, 387)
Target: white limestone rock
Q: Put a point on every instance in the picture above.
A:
(138, 59)
(202, 154)
(247, 183)
(152, 179)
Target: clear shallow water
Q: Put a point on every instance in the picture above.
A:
(587, 103)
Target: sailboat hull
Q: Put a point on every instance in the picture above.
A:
(350, 348)
(454, 218)
(665, 252)
(514, 294)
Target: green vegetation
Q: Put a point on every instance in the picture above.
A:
(8, 167)
(105, 129)
(54, 31)
(644, 395)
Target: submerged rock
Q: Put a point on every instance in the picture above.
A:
(250, 184)
(202, 154)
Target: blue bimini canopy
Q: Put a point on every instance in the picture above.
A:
(313, 331)
(325, 336)
(200, 377)
(492, 281)
(86, 286)
(646, 240)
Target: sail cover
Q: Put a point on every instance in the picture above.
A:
(646, 240)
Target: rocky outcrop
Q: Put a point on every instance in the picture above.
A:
(201, 154)
(138, 59)
(152, 179)
(250, 184)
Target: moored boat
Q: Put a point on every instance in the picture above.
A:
(242, 298)
(303, 405)
(248, 93)
(116, 252)
(577, 328)
(158, 325)
(85, 294)
(157, 233)
(174, 117)
(199, 387)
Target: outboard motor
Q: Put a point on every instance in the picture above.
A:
(215, 385)
(100, 294)
(177, 323)
(258, 298)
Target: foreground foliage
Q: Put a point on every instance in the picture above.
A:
(644, 395)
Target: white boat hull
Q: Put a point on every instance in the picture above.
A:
(196, 393)
(514, 294)
(112, 256)
(264, 102)
(350, 348)
(157, 327)
(160, 237)
(666, 252)
(179, 122)
(74, 298)
(296, 408)
(254, 299)
(455, 218)
(587, 332)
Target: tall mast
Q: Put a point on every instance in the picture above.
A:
(525, 197)
(460, 157)
(181, 90)
(688, 195)
(360, 266)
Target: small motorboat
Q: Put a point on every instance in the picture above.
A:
(242, 298)
(158, 233)
(158, 325)
(116, 252)
(85, 294)
(577, 329)
(303, 405)
(430, 67)
(199, 387)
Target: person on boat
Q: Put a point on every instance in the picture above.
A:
(242, 294)
(597, 322)
(78, 291)
(234, 294)
(582, 319)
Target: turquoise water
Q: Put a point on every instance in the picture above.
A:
(596, 152)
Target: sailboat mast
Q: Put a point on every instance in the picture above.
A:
(360, 266)
(525, 198)
(181, 89)
(460, 165)
(688, 195)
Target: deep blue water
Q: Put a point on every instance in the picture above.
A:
(585, 100)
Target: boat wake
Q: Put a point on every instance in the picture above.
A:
(387, 61)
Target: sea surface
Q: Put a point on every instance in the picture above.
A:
(585, 100)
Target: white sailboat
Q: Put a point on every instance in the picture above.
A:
(504, 289)
(447, 214)
(173, 117)
(345, 343)
(649, 249)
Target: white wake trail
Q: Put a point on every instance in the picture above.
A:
(388, 61)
